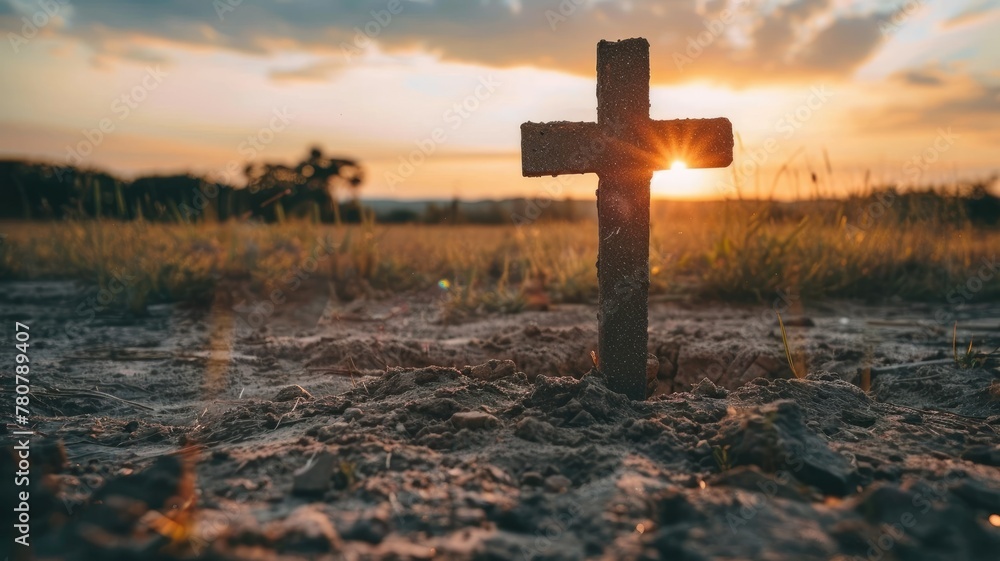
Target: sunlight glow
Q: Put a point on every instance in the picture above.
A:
(680, 182)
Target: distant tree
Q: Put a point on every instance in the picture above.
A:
(982, 207)
(455, 212)
(433, 214)
(311, 184)
(568, 205)
(399, 216)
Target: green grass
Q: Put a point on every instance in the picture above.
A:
(970, 358)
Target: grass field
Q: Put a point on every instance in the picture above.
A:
(727, 251)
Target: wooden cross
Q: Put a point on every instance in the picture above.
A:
(624, 147)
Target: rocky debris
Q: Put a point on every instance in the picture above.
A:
(474, 420)
(491, 371)
(532, 479)
(563, 399)
(775, 438)
(537, 430)
(399, 381)
(706, 388)
(291, 393)
(557, 483)
(331, 432)
(313, 479)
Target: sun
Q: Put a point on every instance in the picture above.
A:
(680, 182)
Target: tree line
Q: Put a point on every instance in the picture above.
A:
(311, 188)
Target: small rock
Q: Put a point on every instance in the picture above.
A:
(707, 388)
(314, 478)
(537, 430)
(532, 479)
(352, 414)
(858, 418)
(479, 371)
(557, 483)
(776, 438)
(474, 420)
(503, 368)
(582, 419)
(292, 392)
(702, 449)
(491, 371)
(328, 433)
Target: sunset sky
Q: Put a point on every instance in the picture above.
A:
(907, 90)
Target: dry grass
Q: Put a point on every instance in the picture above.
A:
(735, 254)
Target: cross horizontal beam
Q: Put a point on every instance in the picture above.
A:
(570, 148)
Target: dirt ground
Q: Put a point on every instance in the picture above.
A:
(317, 429)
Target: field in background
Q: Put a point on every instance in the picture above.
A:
(743, 251)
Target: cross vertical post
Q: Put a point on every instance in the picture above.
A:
(623, 213)
(623, 148)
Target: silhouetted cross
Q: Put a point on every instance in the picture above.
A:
(624, 147)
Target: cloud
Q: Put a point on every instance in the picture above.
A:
(320, 71)
(981, 102)
(979, 10)
(806, 9)
(932, 97)
(922, 78)
(551, 34)
(844, 45)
